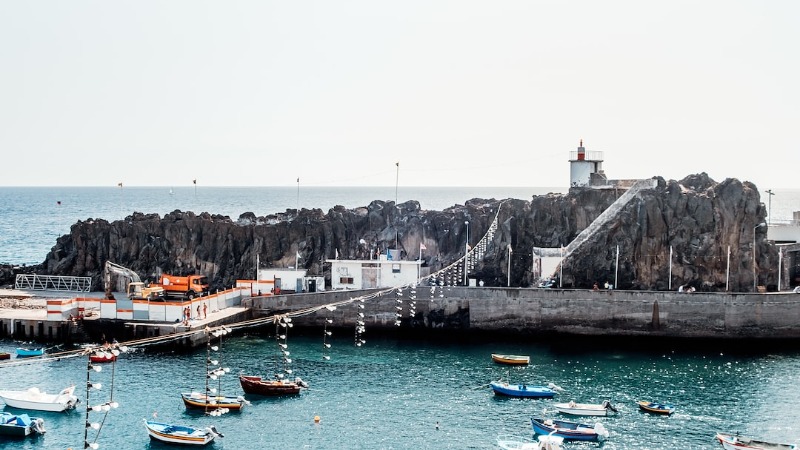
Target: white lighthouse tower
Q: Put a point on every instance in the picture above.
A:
(586, 168)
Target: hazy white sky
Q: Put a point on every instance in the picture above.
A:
(461, 93)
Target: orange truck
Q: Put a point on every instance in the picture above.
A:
(189, 287)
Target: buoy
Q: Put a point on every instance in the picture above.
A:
(316, 419)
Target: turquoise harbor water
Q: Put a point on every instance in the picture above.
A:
(390, 394)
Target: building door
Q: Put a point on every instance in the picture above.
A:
(369, 278)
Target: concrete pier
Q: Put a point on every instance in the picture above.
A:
(562, 311)
(515, 311)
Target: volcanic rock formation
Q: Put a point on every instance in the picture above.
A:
(698, 219)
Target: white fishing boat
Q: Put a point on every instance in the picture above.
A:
(35, 399)
(585, 409)
(736, 442)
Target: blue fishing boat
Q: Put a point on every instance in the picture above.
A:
(521, 390)
(20, 425)
(27, 352)
(572, 431)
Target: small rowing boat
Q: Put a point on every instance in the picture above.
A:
(569, 430)
(514, 360)
(585, 409)
(28, 352)
(656, 408)
(180, 434)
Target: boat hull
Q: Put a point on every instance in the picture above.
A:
(178, 434)
(259, 386)
(581, 409)
(196, 400)
(102, 358)
(733, 442)
(521, 390)
(26, 352)
(512, 360)
(569, 431)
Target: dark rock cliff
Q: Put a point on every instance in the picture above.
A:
(696, 217)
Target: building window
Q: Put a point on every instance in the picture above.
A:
(345, 280)
(395, 268)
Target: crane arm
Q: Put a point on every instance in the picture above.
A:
(112, 268)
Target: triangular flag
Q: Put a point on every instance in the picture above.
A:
(422, 246)
(337, 253)
(509, 248)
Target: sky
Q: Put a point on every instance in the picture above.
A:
(378, 93)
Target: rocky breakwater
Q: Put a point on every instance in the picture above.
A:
(698, 218)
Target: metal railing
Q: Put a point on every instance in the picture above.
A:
(53, 283)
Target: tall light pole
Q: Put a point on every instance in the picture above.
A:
(509, 266)
(769, 213)
(466, 252)
(396, 183)
(755, 277)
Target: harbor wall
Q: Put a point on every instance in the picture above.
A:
(563, 311)
(23, 329)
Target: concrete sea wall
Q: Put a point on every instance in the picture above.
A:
(544, 311)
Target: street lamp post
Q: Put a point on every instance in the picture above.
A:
(769, 213)
(466, 252)
(755, 276)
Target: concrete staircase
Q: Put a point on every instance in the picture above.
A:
(602, 220)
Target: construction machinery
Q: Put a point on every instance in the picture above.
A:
(187, 287)
(136, 289)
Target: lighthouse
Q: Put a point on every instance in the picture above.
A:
(586, 168)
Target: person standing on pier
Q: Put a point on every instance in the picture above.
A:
(205, 310)
(198, 312)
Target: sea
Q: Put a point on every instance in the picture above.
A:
(392, 392)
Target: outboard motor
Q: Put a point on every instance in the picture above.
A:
(37, 425)
(214, 431)
(299, 381)
(607, 405)
(601, 431)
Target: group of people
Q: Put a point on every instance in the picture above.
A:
(187, 313)
(607, 285)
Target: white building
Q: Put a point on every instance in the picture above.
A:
(370, 274)
(586, 169)
(276, 281)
